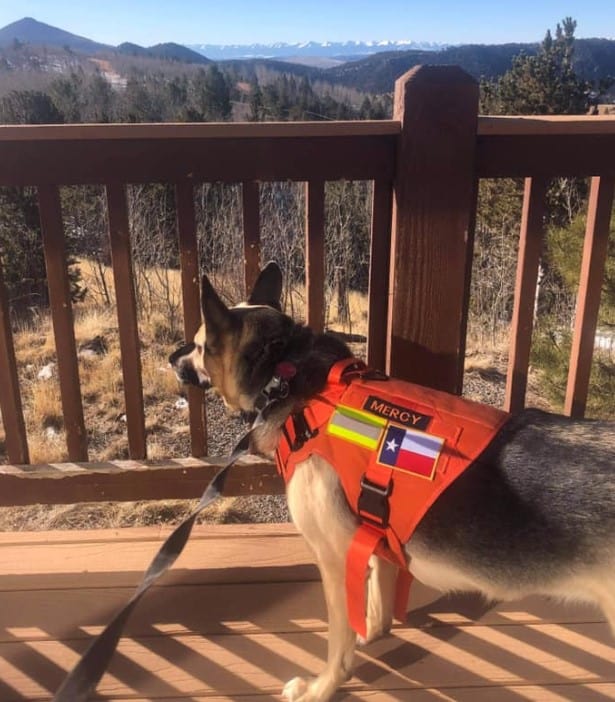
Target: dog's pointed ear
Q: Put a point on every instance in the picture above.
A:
(267, 289)
(215, 313)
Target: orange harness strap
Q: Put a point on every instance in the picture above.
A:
(395, 446)
(368, 542)
(370, 539)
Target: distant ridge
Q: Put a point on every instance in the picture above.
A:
(168, 51)
(594, 59)
(378, 73)
(31, 31)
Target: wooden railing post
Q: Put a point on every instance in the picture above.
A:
(191, 303)
(56, 264)
(380, 248)
(432, 232)
(595, 252)
(250, 198)
(528, 267)
(128, 327)
(315, 254)
(10, 396)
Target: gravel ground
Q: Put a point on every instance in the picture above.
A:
(224, 432)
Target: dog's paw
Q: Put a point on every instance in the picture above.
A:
(296, 690)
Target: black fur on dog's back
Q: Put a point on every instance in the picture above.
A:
(537, 503)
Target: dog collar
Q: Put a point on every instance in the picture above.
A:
(278, 388)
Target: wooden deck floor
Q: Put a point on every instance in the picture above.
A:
(255, 617)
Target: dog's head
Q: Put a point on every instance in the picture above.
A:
(236, 349)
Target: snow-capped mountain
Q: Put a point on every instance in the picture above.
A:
(220, 52)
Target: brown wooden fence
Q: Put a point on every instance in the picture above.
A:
(425, 165)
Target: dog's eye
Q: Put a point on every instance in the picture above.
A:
(199, 348)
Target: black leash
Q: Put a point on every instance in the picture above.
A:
(83, 678)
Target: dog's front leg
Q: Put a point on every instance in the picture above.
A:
(317, 505)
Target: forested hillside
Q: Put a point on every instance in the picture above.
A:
(594, 60)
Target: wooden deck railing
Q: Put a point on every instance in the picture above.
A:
(425, 164)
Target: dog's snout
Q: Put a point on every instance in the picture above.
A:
(179, 353)
(182, 363)
(189, 376)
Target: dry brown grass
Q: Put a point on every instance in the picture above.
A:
(101, 376)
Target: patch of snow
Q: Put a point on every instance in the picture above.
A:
(52, 434)
(46, 372)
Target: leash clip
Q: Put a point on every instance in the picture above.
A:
(278, 388)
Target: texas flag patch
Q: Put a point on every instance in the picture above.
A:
(412, 451)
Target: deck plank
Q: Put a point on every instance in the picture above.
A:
(509, 693)
(245, 614)
(212, 555)
(161, 665)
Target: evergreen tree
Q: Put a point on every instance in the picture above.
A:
(211, 95)
(68, 95)
(257, 110)
(544, 84)
(29, 107)
(99, 100)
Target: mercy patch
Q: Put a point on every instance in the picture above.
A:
(397, 413)
(411, 451)
(356, 426)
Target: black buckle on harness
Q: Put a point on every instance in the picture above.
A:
(373, 503)
(303, 432)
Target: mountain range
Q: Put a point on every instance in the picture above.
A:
(366, 66)
(31, 31)
(336, 50)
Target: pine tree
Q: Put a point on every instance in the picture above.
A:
(544, 84)
(29, 107)
(257, 111)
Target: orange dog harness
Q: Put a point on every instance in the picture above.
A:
(396, 447)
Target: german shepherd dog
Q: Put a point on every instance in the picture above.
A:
(535, 514)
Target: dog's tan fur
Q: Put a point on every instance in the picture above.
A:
(235, 353)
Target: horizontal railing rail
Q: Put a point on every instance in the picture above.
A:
(424, 164)
(101, 154)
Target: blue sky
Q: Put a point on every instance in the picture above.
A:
(148, 22)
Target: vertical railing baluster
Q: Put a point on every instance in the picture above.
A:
(595, 251)
(379, 269)
(119, 237)
(315, 254)
(251, 233)
(10, 397)
(528, 260)
(54, 246)
(189, 263)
